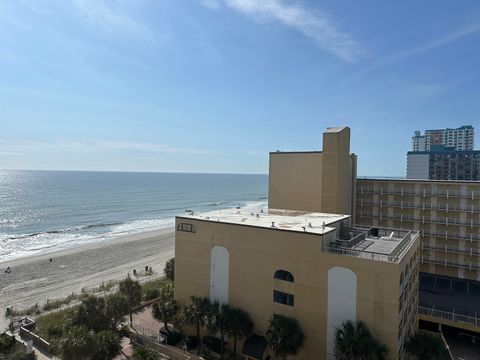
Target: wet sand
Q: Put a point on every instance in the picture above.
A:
(36, 279)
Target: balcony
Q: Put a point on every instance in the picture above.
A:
(424, 192)
(445, 315)
(423, 219)
(450, 249)
(449, 298)
(423, 206)
(447, 263)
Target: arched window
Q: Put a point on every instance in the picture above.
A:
(284, 275)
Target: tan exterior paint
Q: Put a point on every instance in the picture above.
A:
(386, 298)
(315, 181)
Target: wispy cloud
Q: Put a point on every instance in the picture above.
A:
(15, 147)
(423, 48)
(109, 16)
(312, 23)
(212, 4)
(10, 153)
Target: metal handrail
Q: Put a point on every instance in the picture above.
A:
(422, 206)
(446, 263)
(474, 320)
(409, 192)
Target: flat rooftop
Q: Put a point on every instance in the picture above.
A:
(301, 221)
(374, 243)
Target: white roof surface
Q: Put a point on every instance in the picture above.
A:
(317, 223)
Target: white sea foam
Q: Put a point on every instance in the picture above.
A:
(20, 245)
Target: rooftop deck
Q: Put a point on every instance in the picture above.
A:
(375, 243)
(301, 221)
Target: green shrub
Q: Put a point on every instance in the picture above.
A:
(151, 294)
(143, 353)
(155, 284)
(51, 327)
(6, 343)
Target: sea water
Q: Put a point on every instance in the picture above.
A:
(43, 211)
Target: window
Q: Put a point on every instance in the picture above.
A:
(282, 298)
(187, 227)
(284, 275)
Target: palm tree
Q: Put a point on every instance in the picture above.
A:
(285, 336)
(217, 321)
(131, 289)
(239, 324)
(169, 269)
(107, 345)
(166, 307)
(91, 313)
(354, 341)
(426, 347)
(117, 306)
(77, 343)
(195, 314)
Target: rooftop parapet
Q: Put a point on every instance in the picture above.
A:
(289, 220)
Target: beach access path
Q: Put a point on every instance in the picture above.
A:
(35, 279)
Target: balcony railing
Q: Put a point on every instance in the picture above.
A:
(423, 206)
(424, 220)
(447, 263)
(473, 320)
(450, 249)
(472, 194)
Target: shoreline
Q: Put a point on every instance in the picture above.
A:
(80, 247)
(34, 279)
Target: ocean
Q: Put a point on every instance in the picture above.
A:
(43, 211)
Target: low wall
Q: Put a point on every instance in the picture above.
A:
(170, 352)
(38, 342)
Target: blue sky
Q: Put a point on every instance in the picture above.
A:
(214, 85)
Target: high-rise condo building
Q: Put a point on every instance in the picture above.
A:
(444, 163)
(462, 138)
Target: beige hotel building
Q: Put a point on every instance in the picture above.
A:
(307, 256)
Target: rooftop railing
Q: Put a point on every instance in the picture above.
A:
(358, 235)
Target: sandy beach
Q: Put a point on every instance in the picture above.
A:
(36, 279)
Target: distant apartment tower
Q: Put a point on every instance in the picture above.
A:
(462, 138)
(444, 163)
